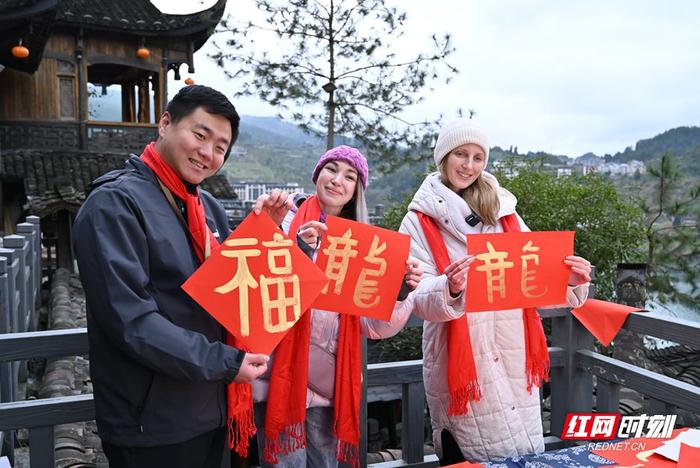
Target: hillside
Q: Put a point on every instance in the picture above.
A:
(274, 150)
(682, 142)
(279, 151)
(258, 130)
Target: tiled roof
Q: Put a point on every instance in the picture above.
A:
(76, 444)
(135, 16)
(56, 180)
(679, 362)
(219, 186)
(11, 6)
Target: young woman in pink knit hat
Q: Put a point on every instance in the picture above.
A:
(312, 391)
(481, 371)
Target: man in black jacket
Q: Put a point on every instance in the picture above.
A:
(158, 362)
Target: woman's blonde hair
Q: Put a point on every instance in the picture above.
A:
(481, 195)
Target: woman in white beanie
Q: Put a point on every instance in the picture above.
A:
(481, 371)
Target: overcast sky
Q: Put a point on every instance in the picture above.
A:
(560, 76)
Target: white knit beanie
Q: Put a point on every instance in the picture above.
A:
(457, 133)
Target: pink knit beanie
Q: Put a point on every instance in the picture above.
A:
(348, 155)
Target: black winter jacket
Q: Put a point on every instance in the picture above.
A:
(157, 360)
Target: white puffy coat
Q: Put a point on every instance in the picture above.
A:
(506, 421)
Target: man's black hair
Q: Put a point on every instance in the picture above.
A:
(189, 98)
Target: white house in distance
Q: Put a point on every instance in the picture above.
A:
(250, 191)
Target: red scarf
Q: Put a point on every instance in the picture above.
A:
(241, 422)
(462, 379)
(285, 429)
(196, 219)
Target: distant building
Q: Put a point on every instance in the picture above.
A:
(623, 169)
(237, 150)
(377, 214)
(238, 208)
(510, 168)
(250, 191)
(564, 171)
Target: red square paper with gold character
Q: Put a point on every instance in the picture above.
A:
(365, 266)
(256, 284)
(518, 269)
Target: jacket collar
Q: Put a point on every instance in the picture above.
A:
(439, 202)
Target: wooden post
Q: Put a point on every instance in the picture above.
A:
(8, 442)
(630, 287)
(162, 92)
(128, 102)
(11, 271)
(572, 388)
(35, 221)
(41, 447)
(412, 421)
(23, 282)
(144, 98)
(607, 399)
(83, 114)
(33, 263)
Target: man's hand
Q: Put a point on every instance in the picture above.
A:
(252, 367)
(276, 205)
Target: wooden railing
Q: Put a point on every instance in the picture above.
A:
(90, 135)
(409, 374)
(572, 383)
(40, 416)
(20, 299)
(573, 366)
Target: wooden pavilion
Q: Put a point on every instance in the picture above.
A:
(51, 145)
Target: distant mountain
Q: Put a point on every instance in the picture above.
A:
(275, 130)
(274, 150)
(682, 142)
(589, 159)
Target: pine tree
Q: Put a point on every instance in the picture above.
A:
(336, 72)
(671, 230)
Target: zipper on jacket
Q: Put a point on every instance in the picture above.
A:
(141, 406)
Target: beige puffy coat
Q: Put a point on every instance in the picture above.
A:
(506, 421)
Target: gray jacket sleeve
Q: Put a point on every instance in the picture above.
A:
(113, 256)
